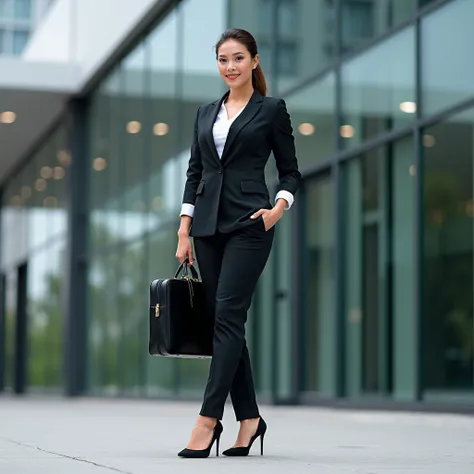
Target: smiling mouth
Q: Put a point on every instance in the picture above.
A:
(232, 76)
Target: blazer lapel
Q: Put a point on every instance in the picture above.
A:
(243, 119)
(216, 106)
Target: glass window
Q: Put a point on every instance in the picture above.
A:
(162, 120)
(136, 135)
(318, 352)
(305, 39)
(99, 166)
(448, 253)
(447, 75)
(3, 41)
(22, 9)
(20, 38)
(201, 80)
(5, 11)
(312, 116)
(364, 20)
(97, 302)
(378, 90)
(402, 322)
(265, 16)
(60, 161)
(38, 318)
(379, 268)
(111, 168)
(133, 326)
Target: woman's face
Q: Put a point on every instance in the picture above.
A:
(235, 63)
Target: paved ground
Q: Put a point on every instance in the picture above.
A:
(90, 436)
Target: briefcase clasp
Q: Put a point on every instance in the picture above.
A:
(157, 310)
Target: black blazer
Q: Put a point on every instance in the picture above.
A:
(227, 191)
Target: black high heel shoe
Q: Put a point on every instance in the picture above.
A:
(244, 450)
(204, 453)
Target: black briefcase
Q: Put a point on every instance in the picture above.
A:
(180, 323)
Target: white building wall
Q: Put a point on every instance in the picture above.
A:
(86, 32)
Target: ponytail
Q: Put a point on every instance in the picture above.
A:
(258, 80)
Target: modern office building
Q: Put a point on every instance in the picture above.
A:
(368, 295)
(18, 19)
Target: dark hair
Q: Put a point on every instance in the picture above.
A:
(244, 37)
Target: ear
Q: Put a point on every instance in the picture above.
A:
(256, 61)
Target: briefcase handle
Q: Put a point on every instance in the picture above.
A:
(184, 266)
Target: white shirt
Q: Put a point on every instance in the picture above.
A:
(220, 131)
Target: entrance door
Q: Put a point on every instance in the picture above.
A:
(318, 336)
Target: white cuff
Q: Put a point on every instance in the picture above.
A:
(187, 210)
(287, 196)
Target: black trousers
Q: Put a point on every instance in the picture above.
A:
(230, 266)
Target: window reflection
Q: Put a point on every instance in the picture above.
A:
(312, 117)
(319, 335)
(378, 90)
(45, 277)
(305, 40)
(447, 75)
(164, 108)
(363, 20)
(448, 253)
(136, 134)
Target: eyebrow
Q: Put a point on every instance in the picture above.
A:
(223, 55)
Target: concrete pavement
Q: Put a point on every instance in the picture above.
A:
(94, 436)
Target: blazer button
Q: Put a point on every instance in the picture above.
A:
(220, 171)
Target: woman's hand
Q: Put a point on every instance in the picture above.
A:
(270, 216)
(185, 249)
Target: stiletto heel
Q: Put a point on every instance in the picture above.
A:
(244, 450)
(204, 453)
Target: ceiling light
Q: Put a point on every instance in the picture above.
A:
(429, 141)
(64, 157)
(470, 208)
(7, 117)
(306, 128)
(408, 107)
(160, 129)
(59, 172)
(99, 164)
(40, 184)
(134, 127)
(347, 131)
(46, 172)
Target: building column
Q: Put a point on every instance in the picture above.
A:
(75, 327)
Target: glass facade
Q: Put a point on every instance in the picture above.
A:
(34, 223)
(369, 289)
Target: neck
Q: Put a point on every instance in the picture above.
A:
(241, 94)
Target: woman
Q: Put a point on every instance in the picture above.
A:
(227, 211)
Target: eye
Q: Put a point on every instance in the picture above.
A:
(222, 60)
(240, 58)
